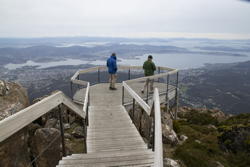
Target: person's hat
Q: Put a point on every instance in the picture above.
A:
(150, 56)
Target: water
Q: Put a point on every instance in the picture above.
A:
(180, 61)
(173, 60)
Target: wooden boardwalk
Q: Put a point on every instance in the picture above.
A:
(112, 138)
(102, 89)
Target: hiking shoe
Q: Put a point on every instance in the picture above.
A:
(142, 91)
(112, 88)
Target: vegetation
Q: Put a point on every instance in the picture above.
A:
(204, 147)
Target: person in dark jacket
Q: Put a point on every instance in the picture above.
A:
(149, 68)
(112, 69)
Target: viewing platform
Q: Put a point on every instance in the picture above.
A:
(112, 137)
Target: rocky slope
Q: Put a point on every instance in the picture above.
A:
(14, 150)
(40, 142)
(209, 138)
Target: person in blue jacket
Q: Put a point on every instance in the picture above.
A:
(112, 69)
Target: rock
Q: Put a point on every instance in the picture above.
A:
(198, 141)
(14, 150)
(218, 164)
(66, 126)
(169, 135)
(16, 100)
(137, 117)
(183, 138)
(145, 126)
(51, 123)
(41, 141)
(67, 136)
(166, 119)
(212, 127)
(78, 132)
(3, 88)
(170, 163)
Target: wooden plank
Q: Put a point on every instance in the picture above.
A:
(110, 154)
(105, 160)
(89, 149)
(86, 100)
(75, 75)
(80, 82)
(108, 137)
(158, 159)
(73, 107)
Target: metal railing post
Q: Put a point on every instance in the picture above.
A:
(147, 82)
(167, 99)
(176, 94)
(159, 71)
(122, 95)
(71, 89)
(98, 75)
(133, 110)
(78, 78)
(129, 74)
(61, 129)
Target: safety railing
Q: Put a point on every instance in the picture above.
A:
(167, 84)
(153, 111)
(148, 102)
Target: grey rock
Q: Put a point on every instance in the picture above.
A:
(51, 123)
(183, 138)
(78, 132)
(67, 136)
(41, 141)
(219, 164)
(170, 163)
(66, 126)
(169, 135)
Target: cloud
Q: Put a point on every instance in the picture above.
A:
(29, 18)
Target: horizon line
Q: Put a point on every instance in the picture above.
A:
(149, 35)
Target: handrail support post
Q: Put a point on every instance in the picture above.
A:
(176, 95)
(98, 75)
(61, 129)
(122, 95)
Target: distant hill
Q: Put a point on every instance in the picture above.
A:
(223, 86)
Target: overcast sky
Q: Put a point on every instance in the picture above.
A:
(125, 18)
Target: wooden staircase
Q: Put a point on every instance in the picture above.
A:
(112, 140)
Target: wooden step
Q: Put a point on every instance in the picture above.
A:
(110, 154)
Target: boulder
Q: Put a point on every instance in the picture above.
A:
(167, 162)
(78, 132)
(48, 141)
(66, 126)
(183, 138)
(167, 120)
(14, 101)
(14, 150)
(169, 135)
(51, 123)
